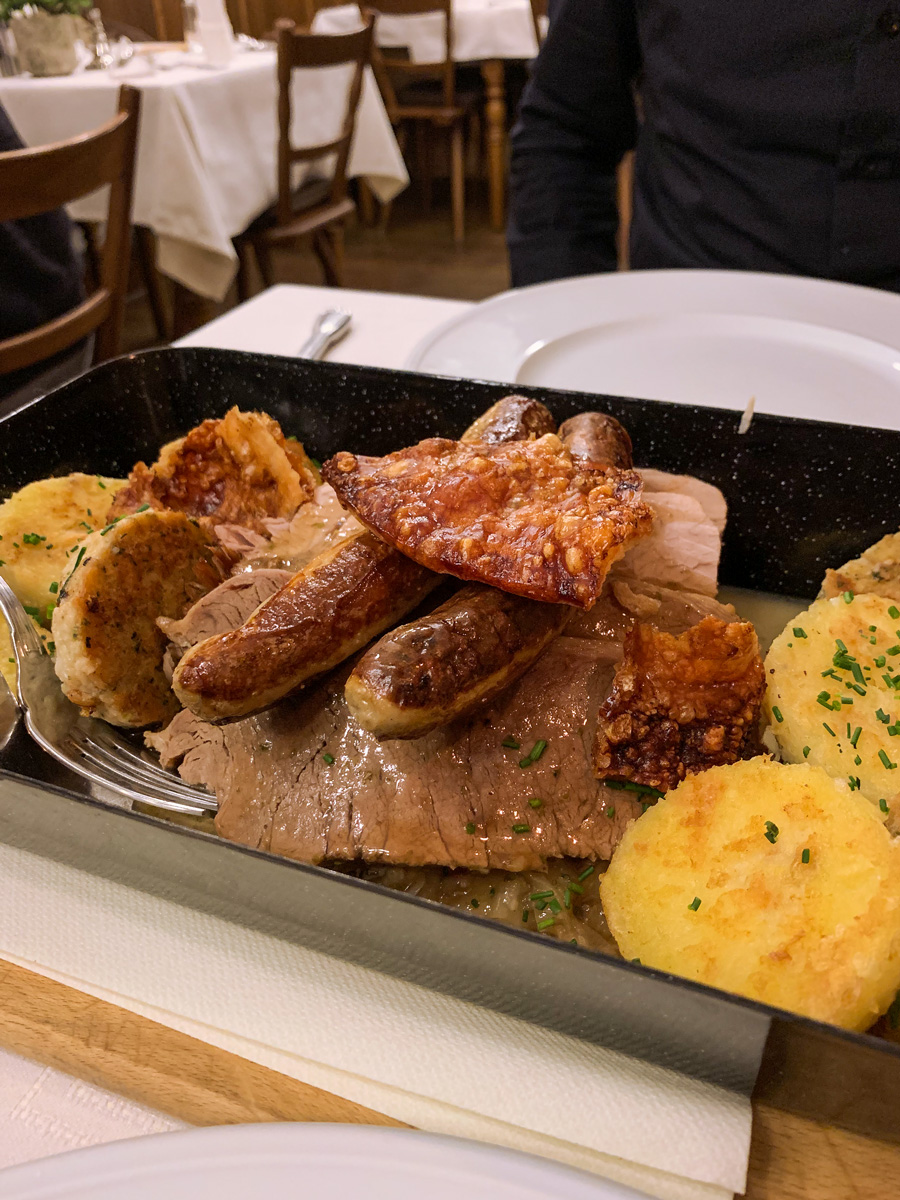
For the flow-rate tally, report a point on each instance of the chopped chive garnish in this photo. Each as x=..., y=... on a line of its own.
x=776, y=713
x=535, y=801
x=799, y=632
x=611, y=812
x=860, y=691
x=328, y=759
x=511, y=744
x=892, y=650
x=806, y=751
x=847, y=597
x=540, y=895
x=521, y=827
x=883, y=805
x=143, y=508
x=50, y=608
x=804, y=857
x=855, y=736
x=474, y=902
x=554, y=905
x=34, y=539
x=51, y=647
x=54, y=588
x=886, y=762
x=856, y=671
x=32, y=611
x=894, y=612
x=882, y=716
x=577, y=888
x=470, y=827
x=567, y=898
x=853, y=780
x=828, y=727
x=537, y=750
x=546, y=923
x=771, y=832
x=626, y=785
x=880, y=660
x=840, y=645
x=694, y=904
x=585, y=873
x=638, y=961
x=824, y=698
x=857, y=762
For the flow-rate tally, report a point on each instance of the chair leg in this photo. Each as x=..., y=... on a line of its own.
x=423, y=163
x=458, y=182
x=474, y=156
x=243, y=275
x=263, y=254
x=328, y=244
x=366, y=203
x=146, y=249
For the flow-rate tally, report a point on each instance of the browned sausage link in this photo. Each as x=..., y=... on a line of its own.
x=512, y=419
x=598, y=440
x=326, y=612
x=431, y=671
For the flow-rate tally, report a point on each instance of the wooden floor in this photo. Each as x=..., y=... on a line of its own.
x=415, y=254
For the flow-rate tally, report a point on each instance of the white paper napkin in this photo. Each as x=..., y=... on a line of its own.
x=435, y=1062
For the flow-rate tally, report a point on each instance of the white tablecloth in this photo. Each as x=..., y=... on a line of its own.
x=482, y=29
x=206, y=152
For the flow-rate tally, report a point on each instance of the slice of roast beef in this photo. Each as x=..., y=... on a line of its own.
x=305, y=781
x=224, y=608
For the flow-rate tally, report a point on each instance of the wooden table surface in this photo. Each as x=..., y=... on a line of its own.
x=790, y=1158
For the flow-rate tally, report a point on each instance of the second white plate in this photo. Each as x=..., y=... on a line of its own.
x=799, y=347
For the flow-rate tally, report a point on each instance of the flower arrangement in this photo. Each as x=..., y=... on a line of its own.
x=54, y=7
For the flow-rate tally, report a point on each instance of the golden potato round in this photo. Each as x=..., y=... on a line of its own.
x=833, y=695
x=39, y=526
x=711, y=883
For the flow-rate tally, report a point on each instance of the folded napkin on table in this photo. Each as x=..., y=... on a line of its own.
x=435, y=1062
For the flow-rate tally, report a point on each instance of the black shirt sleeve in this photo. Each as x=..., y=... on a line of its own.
x=576, y=121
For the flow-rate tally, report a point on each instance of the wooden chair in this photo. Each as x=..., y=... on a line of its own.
x=135, y=19
x=319, y=209
x=36, y=181
x=539, y=17
x=435, y=100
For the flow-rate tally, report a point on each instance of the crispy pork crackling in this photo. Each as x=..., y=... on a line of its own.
x=524, y=516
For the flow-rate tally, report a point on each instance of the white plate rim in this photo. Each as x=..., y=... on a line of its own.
x=849, y=308
x=102, y=1164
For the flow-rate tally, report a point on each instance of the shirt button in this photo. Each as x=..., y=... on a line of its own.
x=889, y=23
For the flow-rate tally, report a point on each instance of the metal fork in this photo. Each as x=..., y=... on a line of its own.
x=92, y=749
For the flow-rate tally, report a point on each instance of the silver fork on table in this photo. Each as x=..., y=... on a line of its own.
x=92, y=749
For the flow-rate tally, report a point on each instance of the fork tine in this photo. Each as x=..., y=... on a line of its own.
x=160, y=780
x=105, y=772
x=106, y=739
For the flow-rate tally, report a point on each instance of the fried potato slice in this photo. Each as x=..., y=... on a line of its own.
x=833, y=696
x=109, y=649
x=681, y=704
x=240, y=470
x=877, y=570
x=711, y=884
x=41, y=527
x=524, y=516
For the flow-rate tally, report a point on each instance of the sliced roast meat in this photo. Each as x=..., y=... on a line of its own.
x=224, y=608
x=304, y=780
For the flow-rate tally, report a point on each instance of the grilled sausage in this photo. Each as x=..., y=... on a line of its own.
x=597, y=440
x=431, y=671
x=340, y=601
x=437, y=669
x=512, y=419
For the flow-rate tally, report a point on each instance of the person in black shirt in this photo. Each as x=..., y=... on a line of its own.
x=769, y=139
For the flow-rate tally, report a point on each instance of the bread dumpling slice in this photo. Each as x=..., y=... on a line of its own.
x=109, y=648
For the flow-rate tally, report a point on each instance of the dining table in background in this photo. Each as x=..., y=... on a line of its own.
x=206, y=161
x=485, y=32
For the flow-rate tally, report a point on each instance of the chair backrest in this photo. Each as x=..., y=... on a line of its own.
x=386, y=64
x=539, y=17
x=299, y=49
x=36, y=181
x=132, y=18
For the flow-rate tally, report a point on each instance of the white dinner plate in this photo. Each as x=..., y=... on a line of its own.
x=301, y=1162
x=799, y=347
